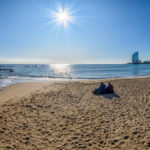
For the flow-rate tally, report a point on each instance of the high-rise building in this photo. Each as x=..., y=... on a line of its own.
x=135, y=58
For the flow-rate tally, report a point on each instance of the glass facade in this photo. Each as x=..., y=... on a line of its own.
x=135, y=58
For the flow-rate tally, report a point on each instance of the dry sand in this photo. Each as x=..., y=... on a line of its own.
x=68, y=116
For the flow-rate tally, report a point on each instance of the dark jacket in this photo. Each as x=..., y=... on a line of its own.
x=102, y=88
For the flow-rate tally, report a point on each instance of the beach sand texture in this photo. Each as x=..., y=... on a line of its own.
x=68, y=116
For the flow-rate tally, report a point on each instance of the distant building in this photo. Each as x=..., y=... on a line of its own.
x=135, y=58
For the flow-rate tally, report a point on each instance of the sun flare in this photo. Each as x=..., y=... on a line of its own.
x=62, y=16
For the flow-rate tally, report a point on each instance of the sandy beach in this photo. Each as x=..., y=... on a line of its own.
x=67, y=116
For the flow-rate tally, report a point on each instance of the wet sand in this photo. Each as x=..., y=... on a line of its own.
x=68, y=116
x=20, y=90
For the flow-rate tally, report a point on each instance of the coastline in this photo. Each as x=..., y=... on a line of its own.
x=21, y=89
x=66, y=115
x=55, y=80
x=46, y=72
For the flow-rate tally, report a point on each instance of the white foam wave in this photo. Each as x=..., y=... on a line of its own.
x=7, y=81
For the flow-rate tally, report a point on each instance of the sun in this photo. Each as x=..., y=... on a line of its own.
x=62, y=16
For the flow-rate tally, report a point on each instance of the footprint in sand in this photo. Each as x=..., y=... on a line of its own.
x=135, y=132
x=121, y=142
x=126, y=137
x=148, y=144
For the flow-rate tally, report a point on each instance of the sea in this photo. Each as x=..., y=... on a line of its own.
x=67, y=72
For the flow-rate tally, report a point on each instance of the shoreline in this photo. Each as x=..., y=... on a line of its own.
x=21, y=89
x=57, y=80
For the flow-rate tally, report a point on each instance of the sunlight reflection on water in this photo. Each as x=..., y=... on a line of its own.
x=62, y=70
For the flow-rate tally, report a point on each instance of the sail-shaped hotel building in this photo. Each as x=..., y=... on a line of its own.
x=135, y=58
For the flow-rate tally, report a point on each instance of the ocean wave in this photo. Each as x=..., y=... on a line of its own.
x=9, y=80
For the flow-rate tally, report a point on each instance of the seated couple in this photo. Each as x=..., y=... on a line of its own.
x=103, y=89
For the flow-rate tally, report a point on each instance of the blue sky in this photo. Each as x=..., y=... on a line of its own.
x=103, y=31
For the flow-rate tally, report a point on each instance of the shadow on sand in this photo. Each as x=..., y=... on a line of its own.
x=110, y=95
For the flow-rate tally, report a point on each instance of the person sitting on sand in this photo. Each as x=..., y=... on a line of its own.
x=110, y=88
x=101, y=89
